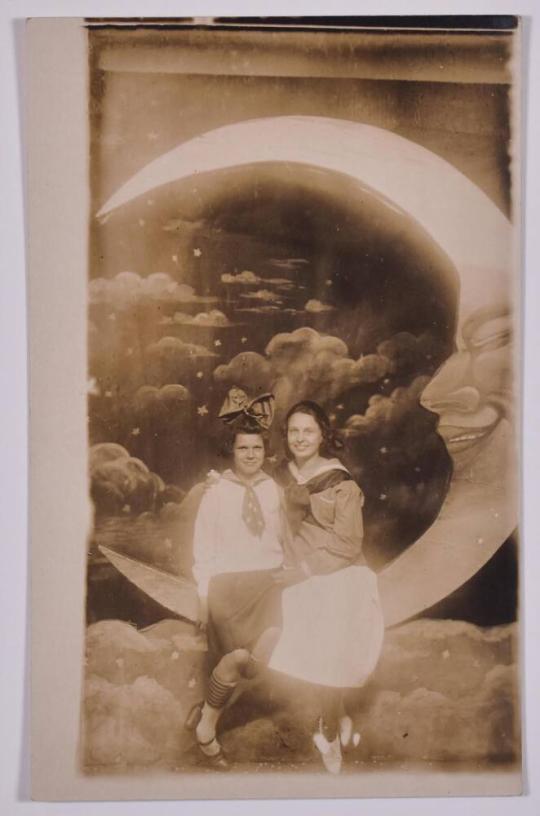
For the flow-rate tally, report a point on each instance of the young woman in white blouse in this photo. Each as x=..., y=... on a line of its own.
x=237, y=549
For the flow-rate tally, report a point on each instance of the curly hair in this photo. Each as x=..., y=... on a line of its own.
x=230, y=432
x=332, y=444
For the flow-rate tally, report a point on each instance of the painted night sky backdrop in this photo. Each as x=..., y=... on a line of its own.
x=270, y=277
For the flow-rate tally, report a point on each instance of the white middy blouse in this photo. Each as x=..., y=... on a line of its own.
x=222, y=542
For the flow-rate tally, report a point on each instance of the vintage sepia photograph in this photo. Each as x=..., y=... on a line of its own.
x=303, y=407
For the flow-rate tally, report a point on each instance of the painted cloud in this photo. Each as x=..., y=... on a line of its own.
x=129, y=288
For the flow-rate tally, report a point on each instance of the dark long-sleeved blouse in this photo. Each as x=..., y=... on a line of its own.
x=324, y=519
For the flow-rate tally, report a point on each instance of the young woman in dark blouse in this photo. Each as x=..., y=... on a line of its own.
x=333, y=626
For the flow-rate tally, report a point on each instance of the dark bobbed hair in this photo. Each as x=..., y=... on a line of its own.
x=332, y=443
x=240, y=426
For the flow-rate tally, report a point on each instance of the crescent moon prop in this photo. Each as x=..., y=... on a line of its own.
x=173, y=593
x=468, y=227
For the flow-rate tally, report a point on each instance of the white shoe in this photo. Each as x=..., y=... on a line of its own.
x=329, y=751
x=345, y=730
x=346, y=734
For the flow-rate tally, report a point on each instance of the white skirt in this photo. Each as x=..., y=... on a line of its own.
x=333, y=629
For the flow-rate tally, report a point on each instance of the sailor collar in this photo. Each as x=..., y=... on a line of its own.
x=230, y=476
x=329, y=464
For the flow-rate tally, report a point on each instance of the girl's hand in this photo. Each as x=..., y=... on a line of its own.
x=212, y=478
x=287, y=576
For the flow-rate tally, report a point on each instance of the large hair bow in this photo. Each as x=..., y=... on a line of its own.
x=237, y=404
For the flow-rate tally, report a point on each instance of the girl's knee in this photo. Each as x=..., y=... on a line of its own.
x=241, y=657
x=265, y=645
x=229, y=668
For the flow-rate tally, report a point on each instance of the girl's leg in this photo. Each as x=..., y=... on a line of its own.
x=331, y=712
x=334, y=709
x=262, y=651
x=347, y=734
x=223, y=682
x=230, y=670
x=327, y=737
x=225, y=677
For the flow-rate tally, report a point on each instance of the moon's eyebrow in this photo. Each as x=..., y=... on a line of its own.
x=495, y=329
x=502, y=334
x=482, y=316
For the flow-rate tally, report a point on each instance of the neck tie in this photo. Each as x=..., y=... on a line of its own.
x=252, y=513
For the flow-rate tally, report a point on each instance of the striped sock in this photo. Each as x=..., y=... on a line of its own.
x=218, y=692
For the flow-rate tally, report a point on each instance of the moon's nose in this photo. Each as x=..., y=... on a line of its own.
x=464, y=400
x=453, y=387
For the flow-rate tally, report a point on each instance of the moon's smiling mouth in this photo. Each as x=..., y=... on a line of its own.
x=463, y=430
x=460, y=438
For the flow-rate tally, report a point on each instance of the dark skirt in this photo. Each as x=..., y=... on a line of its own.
x=241, y=606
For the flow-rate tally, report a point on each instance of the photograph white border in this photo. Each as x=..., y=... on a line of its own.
x=14, y=600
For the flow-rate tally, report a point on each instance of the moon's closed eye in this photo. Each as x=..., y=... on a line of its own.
x=495, y=334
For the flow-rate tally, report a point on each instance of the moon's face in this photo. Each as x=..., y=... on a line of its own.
x=472, y=392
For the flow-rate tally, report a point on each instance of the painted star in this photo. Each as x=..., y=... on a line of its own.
x=197, y=252
x=112, y=316
x=217, y=342
x=152, y=136
x=383, y=449
x=202, y=410
x=383, y=497
x=108, y=394
x=200, y=375
x=142, y=222
x=243, y=340
x=328, y=282
x=129, y=352
x=175, y=258
x=340, y=407
x=136, y=432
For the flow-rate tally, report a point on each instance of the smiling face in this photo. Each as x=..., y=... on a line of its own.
x=473, y=395
x=304, y=437
x=248, y=455
x=472, y=392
